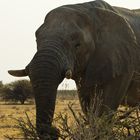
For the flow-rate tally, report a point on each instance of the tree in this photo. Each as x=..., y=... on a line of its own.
x=1, y=84
x=6, y=93
x=20, y=90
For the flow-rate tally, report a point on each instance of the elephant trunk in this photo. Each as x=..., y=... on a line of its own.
x=45, y=106
x=47, y=70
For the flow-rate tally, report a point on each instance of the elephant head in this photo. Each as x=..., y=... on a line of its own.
x=74, y=42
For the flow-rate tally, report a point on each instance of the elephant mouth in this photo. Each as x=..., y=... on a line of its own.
x=68, y=74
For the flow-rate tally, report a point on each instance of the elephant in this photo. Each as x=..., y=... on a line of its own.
x=132, y=97
x=95, y=44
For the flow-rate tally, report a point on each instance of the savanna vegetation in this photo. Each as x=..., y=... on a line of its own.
x=18, y=91
x=21, y=92
x=18, y=121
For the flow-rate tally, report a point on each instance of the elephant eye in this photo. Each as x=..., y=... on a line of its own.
x=77, y=45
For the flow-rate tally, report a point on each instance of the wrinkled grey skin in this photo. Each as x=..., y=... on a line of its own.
x=132, y=97
x=93, y=43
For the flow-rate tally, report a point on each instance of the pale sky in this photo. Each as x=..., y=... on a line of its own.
x=19, y=20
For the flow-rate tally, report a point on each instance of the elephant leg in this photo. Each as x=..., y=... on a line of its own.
x=85, y=98
x=132, y=97
x=102, y=99
x=114, y=91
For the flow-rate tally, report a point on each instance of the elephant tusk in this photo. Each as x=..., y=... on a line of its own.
x=18, y=73
x=68, y=74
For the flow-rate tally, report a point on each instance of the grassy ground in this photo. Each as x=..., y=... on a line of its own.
x=8, y=114
x=9, y=126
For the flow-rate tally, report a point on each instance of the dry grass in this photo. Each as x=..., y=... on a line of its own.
x=125, y=125
x=71, y=123
x=9, y=114
x=8, y=125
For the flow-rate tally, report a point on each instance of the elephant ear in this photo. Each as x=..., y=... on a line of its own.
x=115, y=48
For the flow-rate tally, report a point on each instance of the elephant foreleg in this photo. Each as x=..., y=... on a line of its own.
x=114, y=91
x=88, y=96
x=103, y=98
x=85, y=98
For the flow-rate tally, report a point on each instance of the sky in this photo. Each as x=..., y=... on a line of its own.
x=19, y=19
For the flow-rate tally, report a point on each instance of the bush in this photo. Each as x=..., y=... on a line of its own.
x=125, y=125
x=6, y=93
x=1, y=84
x=17, y=91
x=22, y=90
